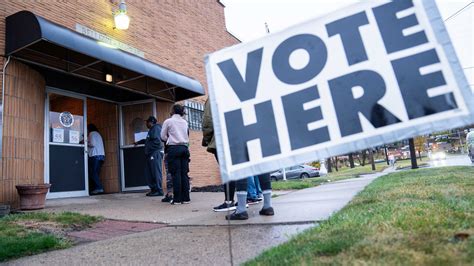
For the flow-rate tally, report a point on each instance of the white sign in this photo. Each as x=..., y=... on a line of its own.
x=74, y=136
x=58, y=135
x=373, y=73
x=139, y=136
x=108, y=40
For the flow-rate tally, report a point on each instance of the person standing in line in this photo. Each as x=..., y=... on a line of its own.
x=96, y=159
x=209, y=142
x=241, y=211
x=154, y=157
x=175, y=133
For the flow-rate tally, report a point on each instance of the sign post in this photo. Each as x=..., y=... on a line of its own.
x=373, y=73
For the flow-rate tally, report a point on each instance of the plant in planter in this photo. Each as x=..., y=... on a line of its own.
x=32, y=197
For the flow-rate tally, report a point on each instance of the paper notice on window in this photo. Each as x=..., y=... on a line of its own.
x=74, y=137
x=58, y=135
x=139, y=136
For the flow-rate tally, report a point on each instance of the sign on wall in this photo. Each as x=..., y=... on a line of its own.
x=372, y=73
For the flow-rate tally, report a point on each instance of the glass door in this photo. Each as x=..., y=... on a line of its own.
x=66, y=169
x=133, y=129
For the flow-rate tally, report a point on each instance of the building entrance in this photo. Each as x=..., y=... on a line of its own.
x=66, y=153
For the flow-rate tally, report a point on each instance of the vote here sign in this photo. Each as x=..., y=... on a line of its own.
x=372, y=73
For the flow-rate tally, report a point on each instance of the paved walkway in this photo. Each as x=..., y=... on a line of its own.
x=196, y=235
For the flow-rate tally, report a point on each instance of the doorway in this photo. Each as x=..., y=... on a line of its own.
x=133, y=129
x=66, y=163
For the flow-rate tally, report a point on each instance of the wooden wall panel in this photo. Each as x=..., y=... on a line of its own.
x=23, y=131
x=105, y=116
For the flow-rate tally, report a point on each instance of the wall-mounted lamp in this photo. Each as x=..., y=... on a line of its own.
x=121, y=18
x=108, y=78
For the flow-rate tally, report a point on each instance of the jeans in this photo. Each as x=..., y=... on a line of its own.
x=264, y=180
x=95, y=164
x=178, y=164
x=153, y=171
x=253, y=187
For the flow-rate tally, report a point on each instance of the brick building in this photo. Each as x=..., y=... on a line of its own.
x=64, y=65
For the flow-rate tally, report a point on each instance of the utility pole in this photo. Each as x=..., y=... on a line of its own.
x=386, y=154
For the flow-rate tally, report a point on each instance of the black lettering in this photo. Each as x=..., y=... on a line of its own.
x=264, y=129
x=245, y=89
x=348, y=29
x=414, y=86
x=391, y=28
x=348, y=108
x=297, y=119
x=317, y=58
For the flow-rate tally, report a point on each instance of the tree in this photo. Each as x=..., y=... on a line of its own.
x=351, y=160
x=420, y=145
x=372, y=160
x=414, y=164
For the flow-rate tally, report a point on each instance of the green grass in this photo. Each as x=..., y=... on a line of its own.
x=17, y=240
x=404, y=218
x=406, y=164
x=343, y=173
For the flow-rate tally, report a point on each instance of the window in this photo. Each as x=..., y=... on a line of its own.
x=194, y=111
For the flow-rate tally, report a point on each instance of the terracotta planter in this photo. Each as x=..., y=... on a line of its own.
x=32, y=197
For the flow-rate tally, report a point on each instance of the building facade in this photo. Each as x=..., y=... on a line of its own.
x=64, y=65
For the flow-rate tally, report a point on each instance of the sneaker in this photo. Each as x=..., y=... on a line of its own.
x=267, y=212
x=237, y=204
x=225, y=207
x=154, y=194
x=172, y=202
x=97, y=191
x=237, y=216
x=167, y=198
x=186, y=202
x=253, y=201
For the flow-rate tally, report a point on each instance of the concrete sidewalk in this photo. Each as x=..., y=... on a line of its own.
x=295, y=207
x=196, y=235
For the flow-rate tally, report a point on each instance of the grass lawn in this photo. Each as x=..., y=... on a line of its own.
x=32, y=233
x=343, y=173
x=415, y=217
x=401, y=164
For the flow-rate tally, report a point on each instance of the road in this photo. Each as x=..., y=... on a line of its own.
x=455, y=160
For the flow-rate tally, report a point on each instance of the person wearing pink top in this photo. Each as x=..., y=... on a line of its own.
x=175, y=133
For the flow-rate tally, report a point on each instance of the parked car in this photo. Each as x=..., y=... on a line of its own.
x=295, y=172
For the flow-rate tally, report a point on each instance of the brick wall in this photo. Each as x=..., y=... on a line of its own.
x=204, y=170
x=23, y=131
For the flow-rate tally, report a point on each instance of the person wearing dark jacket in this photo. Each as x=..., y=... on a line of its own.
x=154, y=157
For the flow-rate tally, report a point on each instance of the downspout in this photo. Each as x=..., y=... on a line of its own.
x=2, y=104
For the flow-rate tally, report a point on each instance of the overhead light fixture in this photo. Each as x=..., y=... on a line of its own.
x=120, y=17
x=108, y=78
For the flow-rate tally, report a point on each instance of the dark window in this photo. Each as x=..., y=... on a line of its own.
x=194, y=111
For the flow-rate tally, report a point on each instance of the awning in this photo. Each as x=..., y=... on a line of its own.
x=35, y=40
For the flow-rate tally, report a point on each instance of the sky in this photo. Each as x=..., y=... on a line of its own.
x=246, y=20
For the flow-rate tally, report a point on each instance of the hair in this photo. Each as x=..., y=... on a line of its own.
x=92, y=127
x=178, y=109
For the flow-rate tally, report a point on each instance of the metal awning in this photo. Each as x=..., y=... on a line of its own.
x=35, y=40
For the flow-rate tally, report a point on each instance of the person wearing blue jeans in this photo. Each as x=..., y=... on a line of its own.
x=96, y=159
x=253, y=190
x=241, y=211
